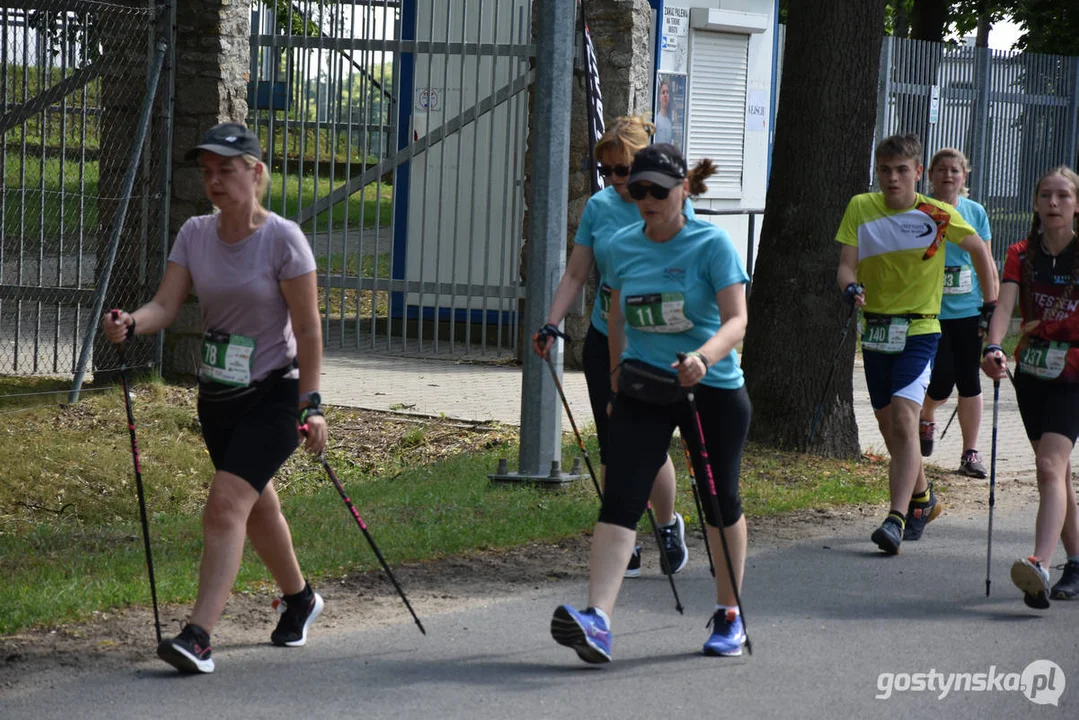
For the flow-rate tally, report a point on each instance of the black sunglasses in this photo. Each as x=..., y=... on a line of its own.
x=637, y=191
x=619, y=170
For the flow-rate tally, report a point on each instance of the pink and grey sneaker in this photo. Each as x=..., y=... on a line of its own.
x=971, y=464
x=1033, y=579
x=925, y=436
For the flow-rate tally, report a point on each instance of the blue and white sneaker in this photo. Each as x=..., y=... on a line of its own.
x=728, y=634
x=583, y=630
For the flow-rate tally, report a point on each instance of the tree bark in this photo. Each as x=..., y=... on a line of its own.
x=821, y=157
x=928, y=19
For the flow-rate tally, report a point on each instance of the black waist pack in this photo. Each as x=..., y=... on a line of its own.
x=649, y=384
x=221, y=405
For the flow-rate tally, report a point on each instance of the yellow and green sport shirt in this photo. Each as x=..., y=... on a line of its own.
x=898, y=259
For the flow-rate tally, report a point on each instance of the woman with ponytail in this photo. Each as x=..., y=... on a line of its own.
x=1040, y=273
x=677, y=311
x=608, y=212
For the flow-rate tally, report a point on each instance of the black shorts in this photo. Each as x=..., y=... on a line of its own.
x=959, y=360
x=252, y=437
x=1047, y=406
x=597, y=375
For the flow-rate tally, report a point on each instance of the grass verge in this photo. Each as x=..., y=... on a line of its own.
x=70, y=540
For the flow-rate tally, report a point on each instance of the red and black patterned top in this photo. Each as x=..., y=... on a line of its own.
x=1050, y=350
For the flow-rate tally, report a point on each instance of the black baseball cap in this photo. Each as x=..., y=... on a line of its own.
x=660, y=163
x=228, y=139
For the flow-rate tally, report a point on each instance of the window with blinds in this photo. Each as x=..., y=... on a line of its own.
x=717, y=107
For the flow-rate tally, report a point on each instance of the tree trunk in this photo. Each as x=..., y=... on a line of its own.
x=901, y=22
x=928, y=19
x=821, y=157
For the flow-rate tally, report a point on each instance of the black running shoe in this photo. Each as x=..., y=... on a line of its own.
x=296, y=617
x=1067, y=587
x=1033, y=579
x=633, y=568
x=189, y=651
x=888, y=536
x=674, y=544
x=920, y=514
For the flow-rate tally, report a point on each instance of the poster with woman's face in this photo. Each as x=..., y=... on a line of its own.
x=670, y=115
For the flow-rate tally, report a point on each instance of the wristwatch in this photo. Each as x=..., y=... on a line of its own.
x=313, y=399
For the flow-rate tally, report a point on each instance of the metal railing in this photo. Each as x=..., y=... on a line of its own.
x=395, y=132
x=1014, y=115
x=73, y=77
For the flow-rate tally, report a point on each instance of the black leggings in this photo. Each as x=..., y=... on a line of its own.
x=597, y=375
x=959, y=360
x=640, y=436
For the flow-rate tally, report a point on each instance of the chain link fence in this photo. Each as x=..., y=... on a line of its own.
x=74, y=80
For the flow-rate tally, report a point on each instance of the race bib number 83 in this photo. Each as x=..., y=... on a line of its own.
x=658, y=313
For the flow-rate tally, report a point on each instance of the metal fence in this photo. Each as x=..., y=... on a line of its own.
x=395, y=132
x=73, y=78
x=1014, y=115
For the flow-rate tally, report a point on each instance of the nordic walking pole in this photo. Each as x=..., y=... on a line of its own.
x=956, y=410
x=576, y=433
x=700, y=511
x=588, y=462
x=138, y=479
x=707, y=463
x=992, y=482
x=366, y=534
x=831, y=373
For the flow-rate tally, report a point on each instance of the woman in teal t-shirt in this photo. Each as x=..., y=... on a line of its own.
x=962, y=322
x=608, y=212
x=677, y=287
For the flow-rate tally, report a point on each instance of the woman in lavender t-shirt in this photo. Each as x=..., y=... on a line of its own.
x=254, y=275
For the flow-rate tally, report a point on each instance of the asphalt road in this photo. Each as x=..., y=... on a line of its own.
x=834, y=625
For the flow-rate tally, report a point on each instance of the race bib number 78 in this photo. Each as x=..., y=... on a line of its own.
x=227, y=359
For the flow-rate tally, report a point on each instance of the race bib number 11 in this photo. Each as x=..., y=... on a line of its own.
x=658, y=313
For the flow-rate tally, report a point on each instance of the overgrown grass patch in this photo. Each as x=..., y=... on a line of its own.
x=71, y=544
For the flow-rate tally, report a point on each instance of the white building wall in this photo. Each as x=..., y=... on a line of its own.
x=754, y=21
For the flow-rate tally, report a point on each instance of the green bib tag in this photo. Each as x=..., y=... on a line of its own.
x=958, y=280
x=1043, y=358
x=885, y=335
x=604, y=300
x=227, y=359
x=658, y=313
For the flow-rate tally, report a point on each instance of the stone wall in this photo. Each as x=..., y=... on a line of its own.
x=620, y=34
x=212, y=70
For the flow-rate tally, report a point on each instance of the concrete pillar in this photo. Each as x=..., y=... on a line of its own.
x=621, y=35
x=213, y=60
